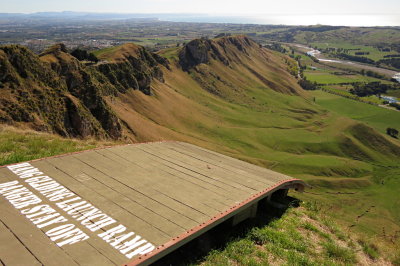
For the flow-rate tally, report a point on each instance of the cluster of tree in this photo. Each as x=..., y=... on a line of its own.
x=361, y=53
x=276, y=47
x=341, y=50
x=388, y=47
x=296, y=57
x=308, y=85
x=81, y=55
x=373, y=74
x=392, y=132
x=319, y=28
x=345, y=95
x=313, y=58
x=341, y=73
x=360, y=59
x=391, y=55
x=395, y=105
x=395, y=46
x=293, y=67
x=394, y=62
x=372, y=88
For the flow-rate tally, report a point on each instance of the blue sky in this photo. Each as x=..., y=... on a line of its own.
x=233, y=7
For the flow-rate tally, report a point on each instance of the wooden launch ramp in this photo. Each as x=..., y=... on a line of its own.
x=129, y=204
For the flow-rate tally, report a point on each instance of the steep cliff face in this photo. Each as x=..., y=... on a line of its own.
x=195, y=53
x=131, y=67
x=35, y=95
x=58, y=93
x=55, y=92
x=86, y=86
x=225, y=49
x=203, y=58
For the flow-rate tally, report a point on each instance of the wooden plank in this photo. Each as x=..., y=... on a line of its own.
x=91, y=250
x=12, y=250
x=55, y=166
x=91, y=188
x=201, y=167
x=126, y=177
x=44, y=250
x=148, y=180
x=158, y=190
x=210, y=156
x=226, y=183
x=227, y=163
x=212, y=197
x=179, y=172
x=251, y=168
x=6, y=175
x=98, y=181
x=182, y=187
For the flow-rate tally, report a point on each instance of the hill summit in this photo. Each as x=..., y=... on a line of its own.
x=56, y=92
x=225, y=49
x=227, y=89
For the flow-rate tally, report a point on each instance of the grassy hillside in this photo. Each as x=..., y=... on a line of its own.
x=283, y=131
x=18, y=145
x=240, y=99
x=353, y=35
x=302, y=236
x=376, y=117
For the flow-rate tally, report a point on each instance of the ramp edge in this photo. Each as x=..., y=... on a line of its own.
x=189, y=235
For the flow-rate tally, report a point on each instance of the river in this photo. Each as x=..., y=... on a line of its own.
x=317, y=54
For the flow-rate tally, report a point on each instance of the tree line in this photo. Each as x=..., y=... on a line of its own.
x=372, y=88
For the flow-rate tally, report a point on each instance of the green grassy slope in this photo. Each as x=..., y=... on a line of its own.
x=291, y=134
x=254, y=110
x=302, y=236
x=18, y=145
x=231, y=110
x=354, y=36
x=377, y=117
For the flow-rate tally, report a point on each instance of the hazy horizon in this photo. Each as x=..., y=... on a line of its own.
x=290, y=12
x=267, y=19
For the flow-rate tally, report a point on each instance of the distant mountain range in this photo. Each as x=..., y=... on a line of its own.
x=266, y=19
x=95, y=16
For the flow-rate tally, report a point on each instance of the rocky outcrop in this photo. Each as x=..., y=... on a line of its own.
x=132, y=67
x=224, y=49
x=55, y=92
x=84, y=86
x=34, y=94
x=194, y=53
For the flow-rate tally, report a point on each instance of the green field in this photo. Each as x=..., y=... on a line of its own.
x=394, y=93
x=374, y=53
x=343, y=91
x=377, y=117
x=323, y=77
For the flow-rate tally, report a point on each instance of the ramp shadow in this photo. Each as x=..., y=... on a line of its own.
x=218, y=237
